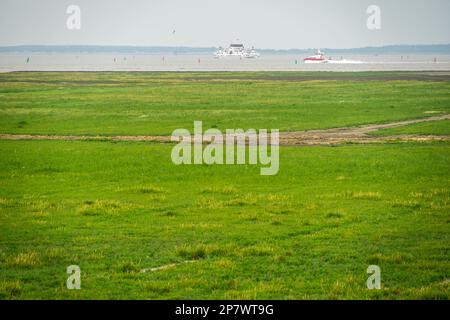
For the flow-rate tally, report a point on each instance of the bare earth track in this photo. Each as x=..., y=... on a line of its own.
x=358, y=134
x=334, y=136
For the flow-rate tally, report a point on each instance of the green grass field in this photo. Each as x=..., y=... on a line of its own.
x=118, y=209
x=158, y=103
x=427, y=128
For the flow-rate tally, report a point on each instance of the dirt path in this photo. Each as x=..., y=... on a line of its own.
x=86, y=138
x=314, y=137
x=358, y=134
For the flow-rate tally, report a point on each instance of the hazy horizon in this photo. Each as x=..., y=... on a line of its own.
x=443, y=46
x=265, y=24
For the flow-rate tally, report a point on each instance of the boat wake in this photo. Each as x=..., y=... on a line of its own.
x=344, y=61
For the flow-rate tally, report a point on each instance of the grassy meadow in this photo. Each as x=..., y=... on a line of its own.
x=141, y=227
x=90, y=103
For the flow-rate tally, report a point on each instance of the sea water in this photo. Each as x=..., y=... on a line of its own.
x=192, y=62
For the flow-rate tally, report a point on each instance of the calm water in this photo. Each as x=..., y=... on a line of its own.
x=111, y=62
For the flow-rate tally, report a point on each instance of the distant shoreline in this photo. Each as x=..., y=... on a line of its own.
x=79, y=49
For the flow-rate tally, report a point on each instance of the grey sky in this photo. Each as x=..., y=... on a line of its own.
x=262, y=23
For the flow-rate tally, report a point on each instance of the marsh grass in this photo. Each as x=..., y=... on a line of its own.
x=202, y=251
x=360, y=195
x=267, y=235
x=224, y=190
x=103, y=207
x=24, y=259
x=143, y=188
x=10, y=289
x=116, y=208
x=44, y=103
x=434, y=291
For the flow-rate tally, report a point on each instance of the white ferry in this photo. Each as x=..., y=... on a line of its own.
x=236, y=49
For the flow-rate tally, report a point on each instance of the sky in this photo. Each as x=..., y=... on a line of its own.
x=275, y=24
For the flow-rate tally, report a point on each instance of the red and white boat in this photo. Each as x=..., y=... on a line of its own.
x=319, y=57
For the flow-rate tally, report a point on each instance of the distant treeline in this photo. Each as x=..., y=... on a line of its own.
x=411, y=49
x=106, y=49
x=396, y=49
